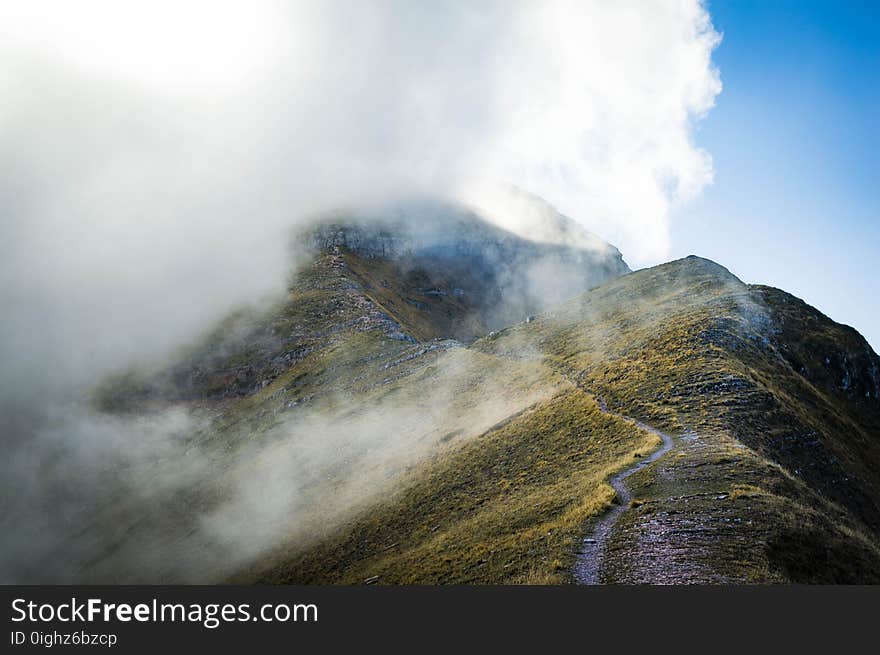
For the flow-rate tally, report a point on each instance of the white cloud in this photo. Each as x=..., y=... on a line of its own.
x=601, y=98
x=152, y=153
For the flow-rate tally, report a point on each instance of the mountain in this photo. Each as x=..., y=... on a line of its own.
x=420, y=408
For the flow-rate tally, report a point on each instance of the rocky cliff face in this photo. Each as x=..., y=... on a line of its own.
x=507, y=277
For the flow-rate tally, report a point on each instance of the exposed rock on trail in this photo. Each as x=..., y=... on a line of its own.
x=588, y=565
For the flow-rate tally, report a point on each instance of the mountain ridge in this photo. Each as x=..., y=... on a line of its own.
x=486, y=458
x=694, y=534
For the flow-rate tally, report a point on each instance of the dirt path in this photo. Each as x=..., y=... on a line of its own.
x=589, y=560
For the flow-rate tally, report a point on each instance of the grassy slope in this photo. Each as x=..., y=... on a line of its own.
x=507, y=506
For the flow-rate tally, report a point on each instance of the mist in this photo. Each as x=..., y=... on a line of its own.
x=154, y=159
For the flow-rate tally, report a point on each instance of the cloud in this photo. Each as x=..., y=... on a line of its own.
x=154, y=155
x=600, y=103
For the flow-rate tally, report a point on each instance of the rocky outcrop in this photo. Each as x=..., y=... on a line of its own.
x=520, y=275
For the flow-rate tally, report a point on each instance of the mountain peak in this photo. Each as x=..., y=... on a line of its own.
x=441, y=251
x=696, y=265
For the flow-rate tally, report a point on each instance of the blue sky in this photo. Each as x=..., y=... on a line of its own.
x=794, y=137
